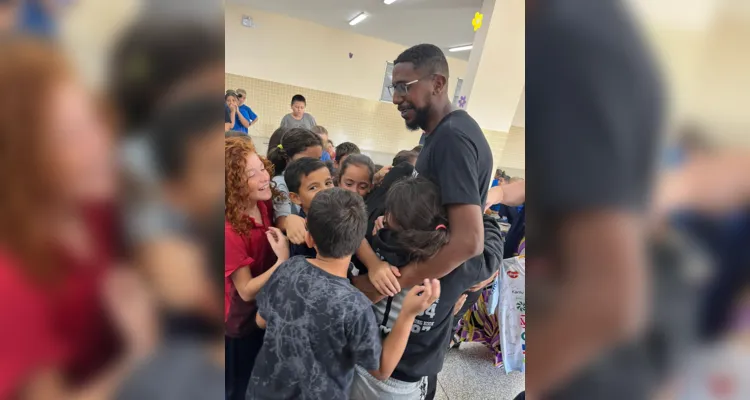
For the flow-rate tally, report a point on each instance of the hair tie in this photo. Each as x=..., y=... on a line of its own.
x=441, y=226
x=280, y=147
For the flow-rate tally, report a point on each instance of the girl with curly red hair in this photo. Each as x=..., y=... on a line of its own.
x=253, y=250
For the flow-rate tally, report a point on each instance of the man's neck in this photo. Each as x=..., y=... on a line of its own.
x=439, y=112
x=334, y=266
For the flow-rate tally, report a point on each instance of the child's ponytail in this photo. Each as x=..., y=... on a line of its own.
x=422, y=245
x=417, y=217
x=292, y=142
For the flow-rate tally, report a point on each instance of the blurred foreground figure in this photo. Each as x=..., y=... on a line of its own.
x=189, y=362
x=63, y=302
x=594, y=107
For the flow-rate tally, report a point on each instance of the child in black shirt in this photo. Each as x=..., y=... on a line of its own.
x=416, y=229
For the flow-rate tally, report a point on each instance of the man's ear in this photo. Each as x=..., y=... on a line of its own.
x=309, y=240
x=294, y=197
x=441, y=83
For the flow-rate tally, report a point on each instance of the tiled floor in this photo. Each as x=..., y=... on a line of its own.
x=468, y=374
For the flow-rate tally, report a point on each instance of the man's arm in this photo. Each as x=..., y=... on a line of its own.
x=253, y=118
x=466, y=241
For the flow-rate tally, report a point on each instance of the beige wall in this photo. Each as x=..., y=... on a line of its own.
x=374, y=126
x=305, y=54
x=343, y=94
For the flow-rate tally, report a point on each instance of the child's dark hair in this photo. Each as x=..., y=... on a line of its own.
x=298, y=98
x=357, y=159
x=275, y=139
x=331, y=168
x=230, y=93
x=405, y=156
x=418, y=149
x=176, y=127
x=345, y=149
x=337, y=222
x=293, y=142
x=418, y=218
x=299, y=169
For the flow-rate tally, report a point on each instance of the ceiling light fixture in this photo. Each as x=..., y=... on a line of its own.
x=460, y=48
x=359, y=18
x=389, y=1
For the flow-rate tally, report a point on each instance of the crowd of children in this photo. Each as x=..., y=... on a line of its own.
x=318, y=308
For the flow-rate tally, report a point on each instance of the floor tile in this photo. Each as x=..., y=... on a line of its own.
x=468, y=373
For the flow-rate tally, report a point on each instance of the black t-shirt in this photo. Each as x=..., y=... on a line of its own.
x=428, y=342
x=457, y=158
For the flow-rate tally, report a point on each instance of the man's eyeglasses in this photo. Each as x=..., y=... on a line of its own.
x=401, y=88
x=240, y=96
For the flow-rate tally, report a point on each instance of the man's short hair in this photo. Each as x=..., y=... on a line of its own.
x=425, y=56
x=405, y=156
x=298, y=98
x=176, y=127
x=337, y=222
x=345, y=149
x=299, y=169
x=241, y=91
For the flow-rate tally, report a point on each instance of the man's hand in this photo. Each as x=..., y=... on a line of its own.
x=384, y=278
x=481, y=285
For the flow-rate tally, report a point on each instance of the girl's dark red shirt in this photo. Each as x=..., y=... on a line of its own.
x=251, y=250
x=66, y=327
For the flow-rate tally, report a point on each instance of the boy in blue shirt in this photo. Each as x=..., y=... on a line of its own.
x=245, y=117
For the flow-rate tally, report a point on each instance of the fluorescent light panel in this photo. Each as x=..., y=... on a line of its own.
x=359, y=18
x=460, y=48
x=389, y=1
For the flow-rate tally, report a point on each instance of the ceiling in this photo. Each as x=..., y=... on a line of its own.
x=445, y=23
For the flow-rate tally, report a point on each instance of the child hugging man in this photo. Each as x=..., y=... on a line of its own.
x=319, y=326
x=305, y=178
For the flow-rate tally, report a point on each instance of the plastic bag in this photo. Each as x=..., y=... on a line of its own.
x=511, y=314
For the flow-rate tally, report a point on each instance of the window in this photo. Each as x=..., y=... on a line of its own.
x=385, y=95
x=457, y=93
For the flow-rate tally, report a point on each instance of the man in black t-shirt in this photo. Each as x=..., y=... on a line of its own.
x=457, y=158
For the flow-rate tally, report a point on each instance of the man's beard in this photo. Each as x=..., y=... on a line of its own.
x=421, y=116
